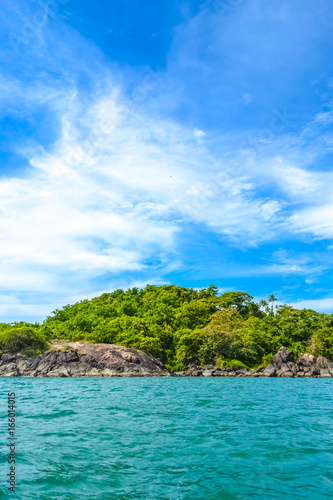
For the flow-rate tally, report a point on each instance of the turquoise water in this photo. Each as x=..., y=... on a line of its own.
x=171, y=438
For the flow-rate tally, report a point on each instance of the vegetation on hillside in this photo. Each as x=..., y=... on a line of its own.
x=22, y=337
x=181, y=326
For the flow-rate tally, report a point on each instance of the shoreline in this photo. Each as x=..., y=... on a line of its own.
x=81, y=359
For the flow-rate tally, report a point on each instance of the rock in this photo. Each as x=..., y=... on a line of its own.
x=324, y=362
x=315, y=370
x=58, y=372
x=196, y=373
x=81, y=359
x=9, y=368
x=307, y=359
x=287, y=374
x=269, y=371
x=282, y=357
x=284, y=368
x=84, y=359
x=293, y=367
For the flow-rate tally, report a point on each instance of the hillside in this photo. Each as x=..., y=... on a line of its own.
x=181, y=326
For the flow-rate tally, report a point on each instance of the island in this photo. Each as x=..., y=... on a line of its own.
x=170, y=330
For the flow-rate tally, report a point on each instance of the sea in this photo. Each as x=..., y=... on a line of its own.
x=168, y=438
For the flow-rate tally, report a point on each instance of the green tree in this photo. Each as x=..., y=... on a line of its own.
x=271, y=300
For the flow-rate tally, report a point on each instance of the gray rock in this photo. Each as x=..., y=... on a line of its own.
x=293, y=367
x=307, y=360
x=84, y=359
x=287, y=374
x=282, y=357
x=284, y=368
x=108, y=360
x=58, y=372
x=197, y=373
x=270, y=371
x=324, y=363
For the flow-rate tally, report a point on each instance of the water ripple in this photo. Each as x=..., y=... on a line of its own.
x=172, y=438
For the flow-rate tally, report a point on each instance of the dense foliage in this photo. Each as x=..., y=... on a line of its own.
x=182, y=325
x=22, y=337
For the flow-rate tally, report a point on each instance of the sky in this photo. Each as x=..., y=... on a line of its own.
x=165, y=142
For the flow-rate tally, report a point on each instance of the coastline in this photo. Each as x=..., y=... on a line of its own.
x=81, y=359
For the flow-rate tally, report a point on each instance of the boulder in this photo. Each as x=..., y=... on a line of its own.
x=284, y=368
x=287, y=374
x=84, y=359
x=293, y=367
x=282, y=356
x=324, y=362
x=270, y=371
x=307, y=360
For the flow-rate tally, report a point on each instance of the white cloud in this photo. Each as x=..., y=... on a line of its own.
x=320, y=305
x=111, y=194
x=199, y=134
x=295, y=181
x=314, y=220
x=119, y=184
x=247, y=97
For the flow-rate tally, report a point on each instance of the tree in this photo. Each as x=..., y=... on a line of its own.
x=188, y=345
x=242, y=301
x=175, y=322
x=321, y=343
x=271, y=300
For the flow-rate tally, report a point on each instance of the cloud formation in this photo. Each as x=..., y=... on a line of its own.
x=116, y=162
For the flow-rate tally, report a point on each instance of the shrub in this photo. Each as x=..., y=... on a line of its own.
x=24, y=340
x=230, y=363
x=176, y=367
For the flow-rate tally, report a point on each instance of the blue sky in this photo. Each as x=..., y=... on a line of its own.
x=165, y=142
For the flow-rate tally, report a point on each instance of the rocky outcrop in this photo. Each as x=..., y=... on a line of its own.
x=282, y=357
x=282, y=365
x=81, y=359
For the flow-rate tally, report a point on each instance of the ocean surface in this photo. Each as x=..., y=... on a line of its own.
x=170, y=438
